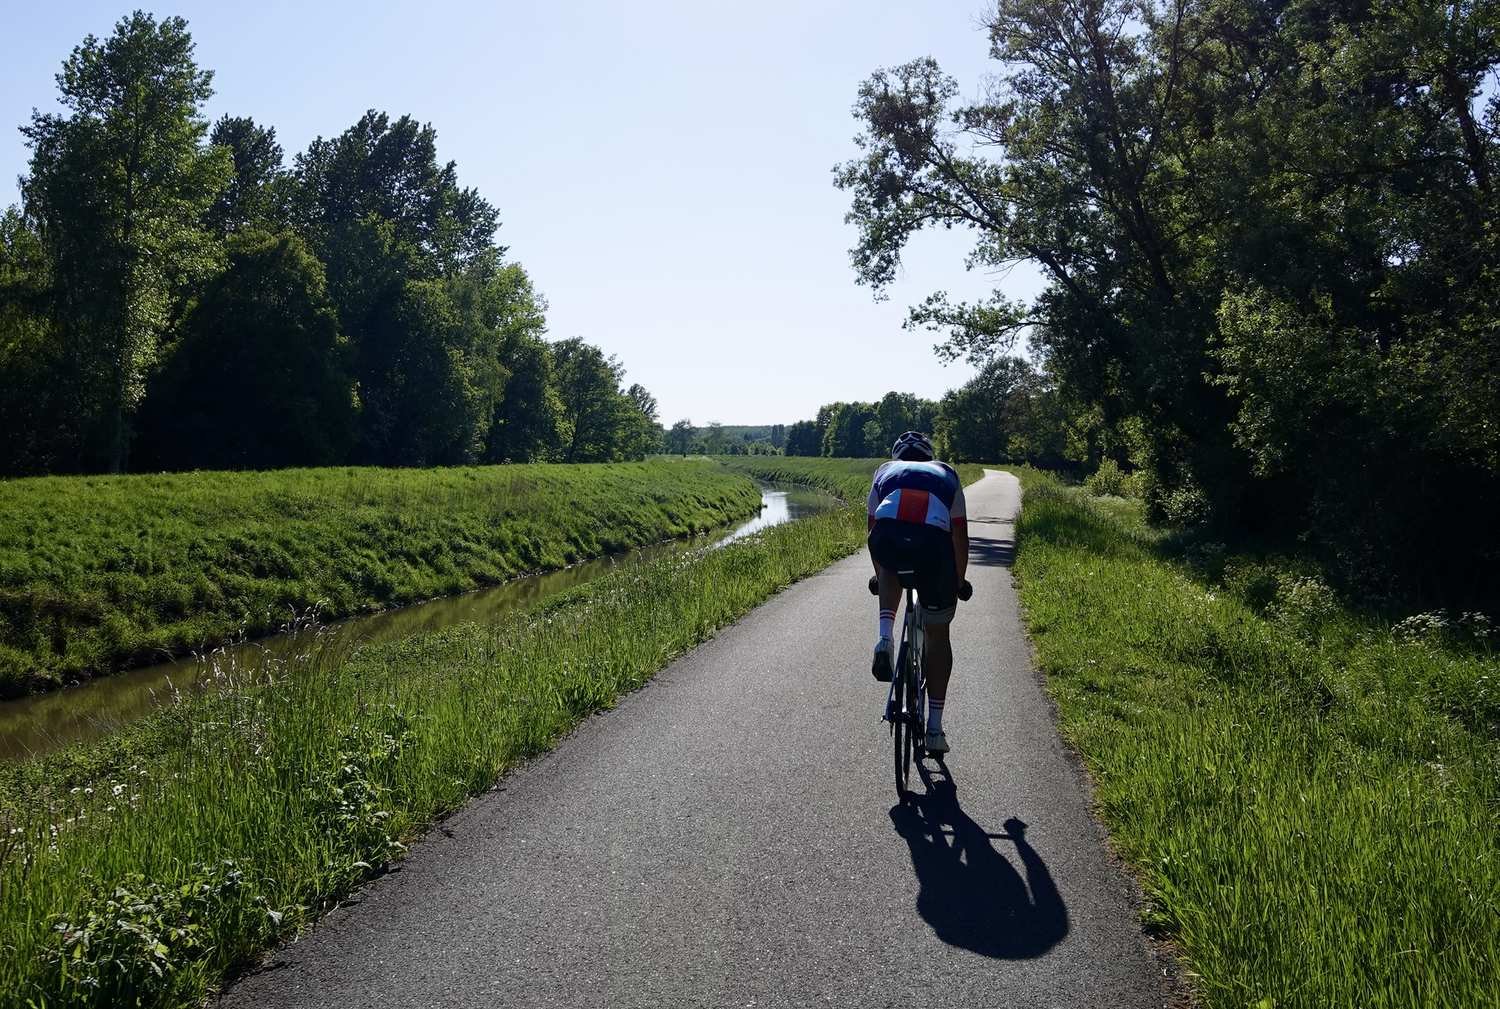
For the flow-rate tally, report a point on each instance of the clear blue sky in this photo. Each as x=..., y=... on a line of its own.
x=661, y=169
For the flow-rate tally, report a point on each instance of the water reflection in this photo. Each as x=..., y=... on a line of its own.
x=34, y=725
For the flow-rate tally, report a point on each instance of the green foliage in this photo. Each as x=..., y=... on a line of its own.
x=259, y=180
x=1269, y=253
x=1254, y=741
x=119, y=185
x=802, y=439
x=260, y=376
x=99, y=571
x=117, y=306
x=601, y=421
x=1108, y=480
x=1006, y=413
x=528, y=421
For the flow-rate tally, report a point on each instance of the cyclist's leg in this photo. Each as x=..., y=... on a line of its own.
x=883, y=551
x=939, y=603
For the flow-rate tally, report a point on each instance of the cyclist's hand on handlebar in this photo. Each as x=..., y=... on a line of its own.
x=965, y=591
x=874, y=585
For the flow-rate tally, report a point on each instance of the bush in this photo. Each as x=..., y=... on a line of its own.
x=1108, y=480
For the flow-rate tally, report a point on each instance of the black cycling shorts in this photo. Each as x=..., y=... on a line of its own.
x=928, y=552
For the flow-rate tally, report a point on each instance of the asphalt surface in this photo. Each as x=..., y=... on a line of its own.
x=729, y=836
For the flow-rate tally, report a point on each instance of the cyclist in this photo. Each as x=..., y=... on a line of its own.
x=917, y=523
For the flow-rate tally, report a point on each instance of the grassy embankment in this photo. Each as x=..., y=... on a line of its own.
x=96, y=572
x=1311, y=797
x=248, y=813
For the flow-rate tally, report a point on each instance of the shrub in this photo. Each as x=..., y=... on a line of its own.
x=1108, y=480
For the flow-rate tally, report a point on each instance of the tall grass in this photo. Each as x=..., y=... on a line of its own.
x=1310, y=796
x=96, y=572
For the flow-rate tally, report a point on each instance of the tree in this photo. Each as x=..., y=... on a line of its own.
x=778, y=436
x=844, y=429
x=527, y=425
x=250, y=198
x=1265, y=240
x=260, y=376
x=680, y=437
x=379, y=187
x=33, y=409
x=119, y=185
x=713, y=440
x=802, y=439
x=603, y=422
x=384, y=214
x=429, y=377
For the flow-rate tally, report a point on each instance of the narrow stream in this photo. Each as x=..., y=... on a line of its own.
x=34, y=725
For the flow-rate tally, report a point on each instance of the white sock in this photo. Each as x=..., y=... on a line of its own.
x=887, y=624
x=934, y=714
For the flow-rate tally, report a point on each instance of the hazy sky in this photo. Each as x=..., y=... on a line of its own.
x=661, y=169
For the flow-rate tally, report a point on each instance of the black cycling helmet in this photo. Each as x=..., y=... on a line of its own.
x=913, y=446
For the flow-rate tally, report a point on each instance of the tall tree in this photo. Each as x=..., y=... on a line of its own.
x=119, y=185
x=384, y=214
x=528, y=419
x=802, y=439
x=603, y=422
x=680, y=437
x=251, y=196
x=1266, y=236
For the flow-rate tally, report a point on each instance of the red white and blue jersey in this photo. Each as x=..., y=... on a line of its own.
x=924, y=493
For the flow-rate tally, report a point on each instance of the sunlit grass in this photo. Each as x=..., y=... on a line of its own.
x=1310, y=799
x=99, y=571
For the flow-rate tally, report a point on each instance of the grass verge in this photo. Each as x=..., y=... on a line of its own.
x=1311, y=798
x=98, y=572
x=240, y=816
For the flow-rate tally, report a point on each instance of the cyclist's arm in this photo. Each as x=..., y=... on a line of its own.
x=959, y=522
x=871, y=503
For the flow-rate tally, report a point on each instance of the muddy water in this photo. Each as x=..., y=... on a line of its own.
x=35, y=725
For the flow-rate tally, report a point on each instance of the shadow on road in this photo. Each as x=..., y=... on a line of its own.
x=971, y=894
x=991, y=541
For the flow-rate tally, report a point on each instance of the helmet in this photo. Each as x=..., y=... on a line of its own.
x=913, y=445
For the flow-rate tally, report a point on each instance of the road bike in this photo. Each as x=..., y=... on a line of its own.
x=906, y=703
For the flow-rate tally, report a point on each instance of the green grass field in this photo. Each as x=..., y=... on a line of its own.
x=96, y=572
x=1311, y=798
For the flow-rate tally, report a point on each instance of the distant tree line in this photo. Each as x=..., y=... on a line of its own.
x=1269, y=239
x=174, y=295
x=1008, y=413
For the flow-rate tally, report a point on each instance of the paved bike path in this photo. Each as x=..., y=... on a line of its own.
x=728, y=836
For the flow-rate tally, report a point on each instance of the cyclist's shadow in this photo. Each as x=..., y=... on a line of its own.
x=971, y=894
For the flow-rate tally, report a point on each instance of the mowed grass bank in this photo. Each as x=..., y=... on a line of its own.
x=1311, y=798
x=98, y=572
x=241, y=816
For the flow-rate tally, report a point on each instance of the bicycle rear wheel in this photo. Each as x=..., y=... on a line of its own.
x=901, y=726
